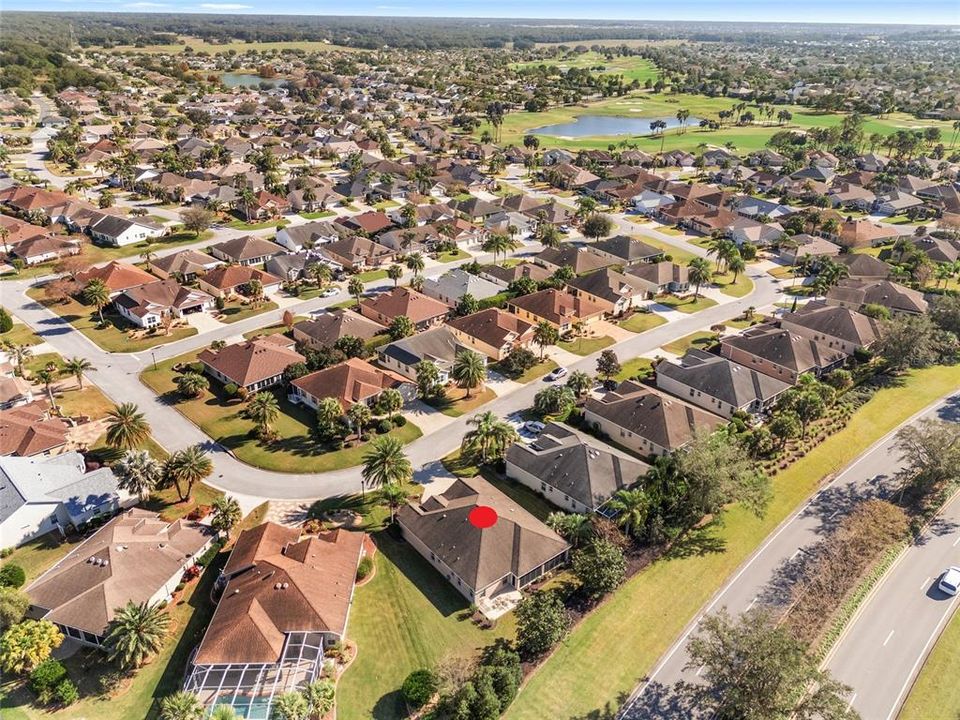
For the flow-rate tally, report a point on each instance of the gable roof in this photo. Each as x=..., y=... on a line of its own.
x=279, y=583
x=664, y=420
x=627, y=248
x=516, y=544
x=609, y=284
x=493, y=326
x=579, y=259
x=878, y=292
x=349, y=382
x=406, y=301
x=718, y=377
x=438, y=345
x=576, y=464
x=27, y=430
x=835, y=321
x=782, y=347
x=116, y=275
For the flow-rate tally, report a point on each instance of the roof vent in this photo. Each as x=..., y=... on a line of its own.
x=277, y=586
x=286, y=585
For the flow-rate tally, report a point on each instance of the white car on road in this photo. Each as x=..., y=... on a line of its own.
x=950, y=580
x=556, y=374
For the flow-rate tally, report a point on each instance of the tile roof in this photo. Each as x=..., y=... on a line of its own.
x=250, y=362
x=116, y=275
x=405, y=301
x=28, y=430
x=349, y=382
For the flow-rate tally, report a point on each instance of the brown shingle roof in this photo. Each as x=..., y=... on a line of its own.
x=136, y=554
x=517, y=543
x=557, y=307
x=326, y=328
x=278, y=585
x=252, y=361
x=405, y=301
x=493, y=326
x=349, y=382
x=26, y=430
x=117, y=276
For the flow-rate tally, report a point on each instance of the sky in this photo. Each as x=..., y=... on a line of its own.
x=936, y=12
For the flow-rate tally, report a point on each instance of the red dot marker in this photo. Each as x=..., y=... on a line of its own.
x=483, y=516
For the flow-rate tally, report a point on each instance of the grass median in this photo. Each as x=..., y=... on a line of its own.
x=641, y=620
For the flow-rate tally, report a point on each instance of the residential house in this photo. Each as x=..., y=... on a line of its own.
x=492, y=332
x=27, y=430
x=325, y=328
x=299, y=237
x=184, y=266
x=146, y=305
x=832, y=325
x=481, y=561
x=863, y=233
x=614, y=291
x=286, y=599
x=44, y=248
x=135, y=558
x=580, y=260
x=662, y=277
x=117, y=276
x=625, y=250
x=43, y=494
x=350, y=382
x=780, y=353
x=803, y=245
x=423, y=311
x=123, y=231
x=454, y=284
x=646, y=421
x=246, y=250
x=228, y=280
x=254, y=365
x=717, y=384
x=358, y=253
x=856, y=293
x=862, y=266
x=573, y=470
x=439, y=345
x=557, y=307
x=503, y=276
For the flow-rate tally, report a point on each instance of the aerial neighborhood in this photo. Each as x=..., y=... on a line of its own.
x=349, y=376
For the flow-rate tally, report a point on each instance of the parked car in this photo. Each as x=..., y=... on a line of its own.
x=534, y=426
x=329, y=292
x=556, y=374
x=950, y=580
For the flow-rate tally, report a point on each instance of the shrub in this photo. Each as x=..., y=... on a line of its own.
x=46, y=677
x=230, y=390
x=210, y=554
x=419, y=687
x=399, y=421
x=12, y=575
x=109, y=681
x=6, y=552
x=384, y=426
x=67, y=693
x=197, y=367
x=365, y=567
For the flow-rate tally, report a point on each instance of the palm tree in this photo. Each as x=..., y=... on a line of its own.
x=395, y=272
x=359, y=415
x=390, y=401
x=699, y=272
x=77, y=366
x=393, y=495
x=97, y=294
x=321, y=274
x=631, y=508
x=224, y=712
x=181, y=705
x=736, y=265
x=138, y=473
x=545, y=334
x=579, y=382
x=136, y=632
x=320, y=696
x=20, y=354
x=490, y=435
x=329, y=413
x=264, y=410
x=415, y=263
x=355, y=288
x=468, y=370
x=191, y=384
x=186, y=468
x=576, y=528
x=47, y=376
x=385, y=462
x=127, y=428
x=226, y=514
x=499, y=243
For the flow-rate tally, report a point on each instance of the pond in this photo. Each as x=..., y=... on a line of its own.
x=232, y=80
x=591, y=125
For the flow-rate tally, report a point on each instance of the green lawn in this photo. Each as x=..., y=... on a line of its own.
x=645, y=616
x=41, y=553
x=632, y=67
x=243, y=225
x=20, y=334
x=743, y=285
x=114, y=336
x=295, y=450
x=687, y=304
x=317, y=215
x=235, y=311
x=678, y=255
x=272, y=329
x=935, y=694
x=631, y=368
x=537, y=371
x=96, y=254
x=371, y=275
x=641, y=322
x=456, y=402
x=586, y=346
x=447, y=257
x=698, y=339
x=407, y=617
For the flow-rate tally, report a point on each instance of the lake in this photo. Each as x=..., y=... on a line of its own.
x=245, y=79
x=591, y=125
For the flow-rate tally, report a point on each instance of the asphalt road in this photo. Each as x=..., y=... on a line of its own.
x=885, y=646
x=765, y=579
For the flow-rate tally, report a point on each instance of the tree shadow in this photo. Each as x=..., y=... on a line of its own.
x=658, y=702
x=389, y=707
x=697, y=542
x=950, y=411
x=778, y=592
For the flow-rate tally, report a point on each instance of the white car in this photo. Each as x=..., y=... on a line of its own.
x=557, y=374
x=534, y=426
x=950, y=580
x=329, y=292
